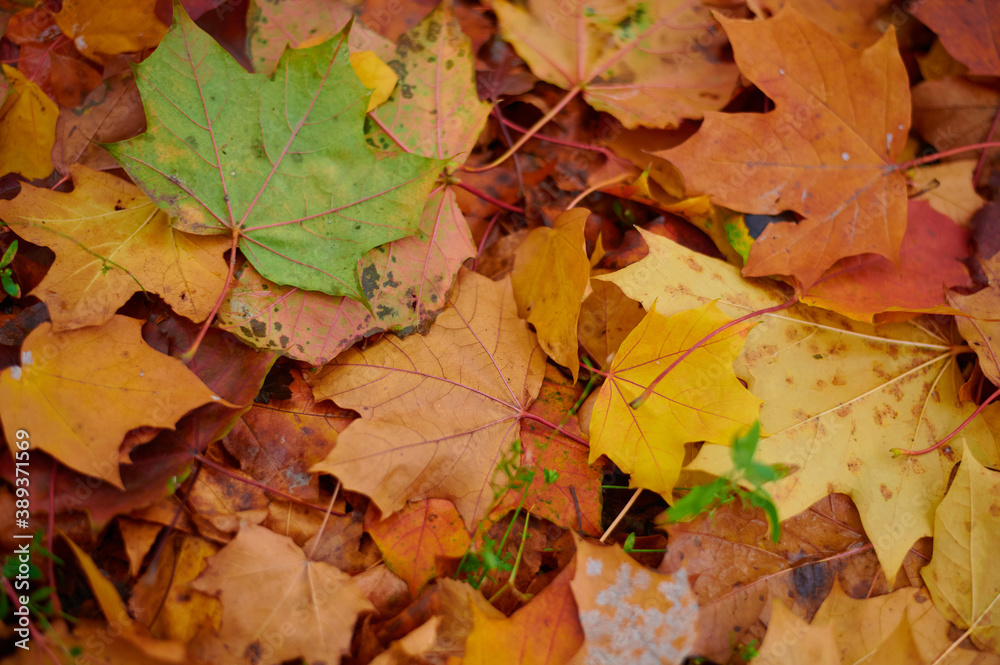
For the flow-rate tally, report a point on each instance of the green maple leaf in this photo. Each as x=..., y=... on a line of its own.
x=280, y=161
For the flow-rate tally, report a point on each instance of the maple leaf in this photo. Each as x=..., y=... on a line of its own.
x=856, y=392
x=930, y=262
x=699, y=400
x=635, y=60
x=277, y=162
x=546, y=631
x=436, y=411
x=111, y=242
x=114, y=610
x=628, y=612
x=969, y=30
x=77, y=393
x=961, y=576
x=551, y=273
x=96, y=32
x=414, y=538
x=404, y=282
x=163, y=598
x=27, y=128
x=826, y=151
x=311, y=608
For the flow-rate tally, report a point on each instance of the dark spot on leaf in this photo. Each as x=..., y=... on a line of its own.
x=276, y=325
x=253, y=652
x=433, y=31
x=283, y=340
x=812, y=581
x=259, y=329
x=369, y=281
x=384, y=312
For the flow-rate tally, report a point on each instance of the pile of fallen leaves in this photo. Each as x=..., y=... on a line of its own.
x=385, y=332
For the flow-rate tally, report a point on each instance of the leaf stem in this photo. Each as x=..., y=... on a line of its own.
x=189, y=354
x=940, y=659
x=489, y=199
x=947, y=153
x=569, y=144
x=556, y=428
x=544, y=120
x=638, y=401
x=482, y=241
x=896, y=452
x=593, y=188
x=982, y=156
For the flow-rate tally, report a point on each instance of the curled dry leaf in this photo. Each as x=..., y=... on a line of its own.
x=550, y=276
x=27, y=128
x=96, y=32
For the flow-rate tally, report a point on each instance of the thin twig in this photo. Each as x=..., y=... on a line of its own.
x=954, y=645
x=622, y=514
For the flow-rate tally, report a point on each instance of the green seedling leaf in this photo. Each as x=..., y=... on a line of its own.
x=8, y=256
x=279, y=162
x=745, y=446
x=761, y=499
x=697, y=500
x=12, y=289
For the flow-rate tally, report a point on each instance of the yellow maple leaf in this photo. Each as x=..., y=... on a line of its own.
x=111, y=241
x=27, y=128
x=550, y=277
x=700, y=399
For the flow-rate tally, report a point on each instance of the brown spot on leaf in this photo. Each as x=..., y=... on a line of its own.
x=886, y=492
